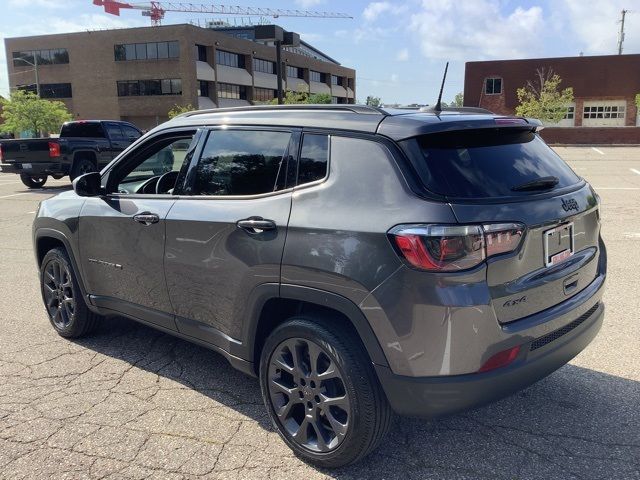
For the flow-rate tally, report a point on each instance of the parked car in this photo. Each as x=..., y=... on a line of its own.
x=358, y=261
x=83, y=146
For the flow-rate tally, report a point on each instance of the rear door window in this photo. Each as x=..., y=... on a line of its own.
x=242, y=162
x=314, y=157
x=486, y=164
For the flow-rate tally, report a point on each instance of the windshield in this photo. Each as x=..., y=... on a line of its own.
x=489, y=163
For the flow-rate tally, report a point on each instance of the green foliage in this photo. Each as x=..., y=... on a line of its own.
x=638, y=100
x=458, y=100
x=319, y=98
x=180, y=109
x=373, y=101
x=543, y=99
x=24, y=111
x=301, y=96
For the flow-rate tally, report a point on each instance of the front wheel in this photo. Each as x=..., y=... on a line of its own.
x=82, y=166
x=63, y=300
x=321, y=392
x=33, y=181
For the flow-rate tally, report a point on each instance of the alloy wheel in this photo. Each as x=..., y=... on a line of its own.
x=308, y=395
x=58, y=293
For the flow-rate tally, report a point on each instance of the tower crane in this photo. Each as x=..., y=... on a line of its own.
x=156, y=10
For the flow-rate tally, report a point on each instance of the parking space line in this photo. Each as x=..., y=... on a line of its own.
x=597, y=150
x=617, y=188
x=635, y=171
x=15, y=194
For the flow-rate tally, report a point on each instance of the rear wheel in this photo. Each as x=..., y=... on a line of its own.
x=63, y=300
x=321, y=392
x=82, y=166
x=33, y=181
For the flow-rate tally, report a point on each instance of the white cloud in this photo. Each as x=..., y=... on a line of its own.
x=402, y=55
x=35, y=3
x=395, y=77
x=375, y=9
x=595, y=29
x=476, y=30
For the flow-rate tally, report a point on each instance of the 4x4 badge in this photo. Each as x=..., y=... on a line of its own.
x=569, y=204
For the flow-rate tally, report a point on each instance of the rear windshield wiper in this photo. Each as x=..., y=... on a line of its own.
x=543, y=183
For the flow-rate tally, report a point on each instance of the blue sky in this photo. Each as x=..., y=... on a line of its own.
x=397, y=47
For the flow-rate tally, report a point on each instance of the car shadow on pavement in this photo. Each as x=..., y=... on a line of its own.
x=577, y=423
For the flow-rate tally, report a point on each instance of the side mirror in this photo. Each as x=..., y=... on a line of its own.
x=87, y=185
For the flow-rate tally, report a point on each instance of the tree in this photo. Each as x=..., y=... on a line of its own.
x=373, y=101
x=458, y=100
x=316, y=98
x=301, y=96
x=25, y=111
x=543, y=99
x=180, y=109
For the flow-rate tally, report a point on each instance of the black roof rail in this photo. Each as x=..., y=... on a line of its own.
x=361, y=109
x=460, y=110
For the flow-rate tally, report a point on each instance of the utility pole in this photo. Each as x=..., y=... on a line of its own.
x=35, y=68
x=621, y=34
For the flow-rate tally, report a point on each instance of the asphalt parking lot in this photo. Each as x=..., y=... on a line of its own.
x=130, y=402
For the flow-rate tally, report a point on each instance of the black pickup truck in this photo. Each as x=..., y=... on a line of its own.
x=82, y=147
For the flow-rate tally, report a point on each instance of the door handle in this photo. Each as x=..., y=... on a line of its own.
x=255, y=225
x=146, y=218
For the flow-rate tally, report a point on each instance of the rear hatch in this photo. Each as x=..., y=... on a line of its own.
x=508, y=175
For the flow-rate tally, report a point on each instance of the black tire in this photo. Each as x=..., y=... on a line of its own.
x=33, y=181
x=359, y=406
x=63, y=300
x=82, y=166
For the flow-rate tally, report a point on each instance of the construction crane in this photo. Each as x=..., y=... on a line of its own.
x=156, y=10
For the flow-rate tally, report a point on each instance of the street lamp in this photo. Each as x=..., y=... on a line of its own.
x=280, y=37
x=35, y=66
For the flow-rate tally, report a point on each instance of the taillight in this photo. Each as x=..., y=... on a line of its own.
x=449, y=248
x=54, y=149
x=500, y=359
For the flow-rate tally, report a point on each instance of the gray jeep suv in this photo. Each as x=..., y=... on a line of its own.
x=359, y=261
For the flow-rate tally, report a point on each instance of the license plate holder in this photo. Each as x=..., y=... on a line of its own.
x=26, y=166
x=559, y=244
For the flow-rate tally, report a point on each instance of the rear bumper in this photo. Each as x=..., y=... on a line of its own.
x=437, y=396
x=40, y=168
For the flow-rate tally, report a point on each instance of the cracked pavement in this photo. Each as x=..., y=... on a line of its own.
x=131, y=402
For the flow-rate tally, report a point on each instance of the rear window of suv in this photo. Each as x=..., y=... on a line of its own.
x=486, y=163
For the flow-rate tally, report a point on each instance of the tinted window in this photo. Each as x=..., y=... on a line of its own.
x=114, y=132
x=482, y=164
x=82, y=129
x=130, y=132
x=241, y=162
x=313, y=158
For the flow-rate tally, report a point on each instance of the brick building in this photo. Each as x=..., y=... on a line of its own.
x=604, y=89
x=139, y=74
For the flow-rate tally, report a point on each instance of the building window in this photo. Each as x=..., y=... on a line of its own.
x=334, y=99
x=146, y=51
x=229, y=59
x=134, y=88
x=264, y=66
x=336, y=80
x=570, y=113
x=227, y=90
x=294, y=72
x=55, y=90
x=203, y=88
x=201, y=53
x=43, y=57
x=493, y=86
x=317, y=76
x=263, y=94
x=604, y=111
